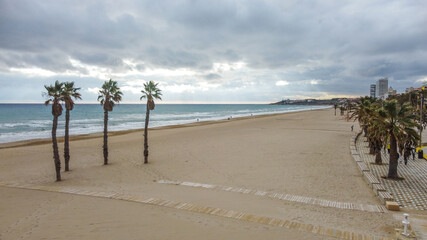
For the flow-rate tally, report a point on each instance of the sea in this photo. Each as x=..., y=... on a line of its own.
x=34, y=121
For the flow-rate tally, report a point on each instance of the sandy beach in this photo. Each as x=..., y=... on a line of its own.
x=300, y=154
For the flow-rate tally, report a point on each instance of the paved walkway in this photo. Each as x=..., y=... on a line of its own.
x=409, y=193
x=330, y=232
x=283, y=196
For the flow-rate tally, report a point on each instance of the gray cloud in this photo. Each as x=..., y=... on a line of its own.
x=212, y=76
x=346, y=44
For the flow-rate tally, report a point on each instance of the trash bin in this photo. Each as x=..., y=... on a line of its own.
x=420, y=154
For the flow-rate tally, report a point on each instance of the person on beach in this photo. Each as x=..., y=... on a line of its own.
x=352, y=127
x=388, y=148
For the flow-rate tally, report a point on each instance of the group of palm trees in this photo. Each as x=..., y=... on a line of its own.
x=389, y=124
x=58, y=93
x=65, y=93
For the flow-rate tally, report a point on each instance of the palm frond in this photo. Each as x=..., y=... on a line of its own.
x=110, y=94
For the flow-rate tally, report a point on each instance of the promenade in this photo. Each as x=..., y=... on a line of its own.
x=410, y=193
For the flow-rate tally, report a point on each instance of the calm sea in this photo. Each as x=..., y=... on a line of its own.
x=34, y=121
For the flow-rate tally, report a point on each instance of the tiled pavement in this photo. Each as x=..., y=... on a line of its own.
x=410, y=192
x=285, y=197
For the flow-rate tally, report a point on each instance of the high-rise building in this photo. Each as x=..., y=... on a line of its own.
x=382, y=88
x=373, y=88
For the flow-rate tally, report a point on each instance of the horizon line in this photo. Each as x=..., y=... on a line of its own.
x=159, y=103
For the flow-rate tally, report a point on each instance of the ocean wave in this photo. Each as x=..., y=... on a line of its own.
x=88, y=121
x=31, y=124
x=19, y=136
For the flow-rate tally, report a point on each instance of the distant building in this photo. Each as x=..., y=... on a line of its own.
x=373, y=88
x=391, y=92
x=382, y=88
x=410, y=89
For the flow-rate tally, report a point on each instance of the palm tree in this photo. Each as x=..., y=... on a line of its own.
x=335, y=107
x=150, y=92
x=54, y=95
x=362, y=112
x=400, y=125
x=342, y=109
x=108, y=97
x=375, y=133
x=69, y=92
x=349, y=106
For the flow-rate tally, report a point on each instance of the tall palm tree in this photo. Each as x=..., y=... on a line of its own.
x=400, y=125
x=362, y=112
x=375, y=133
x=69, y=92
x=342, y=109
x=413, y=99
x=349, y=106
x=54, y=94
x=150, y=92
x=109, y=95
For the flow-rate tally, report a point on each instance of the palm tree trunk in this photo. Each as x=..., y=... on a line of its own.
x=66, y=140
x=371, y=146
x=392, y=169
x=105, y=147
x=147, y=118
x=378, y=159
x=56, y=159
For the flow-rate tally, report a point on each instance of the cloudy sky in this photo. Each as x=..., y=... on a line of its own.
x=212, y=51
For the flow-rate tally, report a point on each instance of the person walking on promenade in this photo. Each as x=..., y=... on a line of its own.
x=413, y=153
x=406, y=154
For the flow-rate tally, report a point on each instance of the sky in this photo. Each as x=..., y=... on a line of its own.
x=212, y=51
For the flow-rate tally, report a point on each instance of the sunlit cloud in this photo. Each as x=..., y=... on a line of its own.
x=34, y=72
x=224, y=67
x=168, y=72
x=179, y=88
x=93, y=90
x=282, y=83
x=314, y=82
x=422, y=80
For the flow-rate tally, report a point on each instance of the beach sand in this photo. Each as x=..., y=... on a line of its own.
x=302, y=154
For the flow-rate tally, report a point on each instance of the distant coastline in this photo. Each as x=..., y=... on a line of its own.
x=310, y=101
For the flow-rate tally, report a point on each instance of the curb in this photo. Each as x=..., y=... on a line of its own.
x=379, y=190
